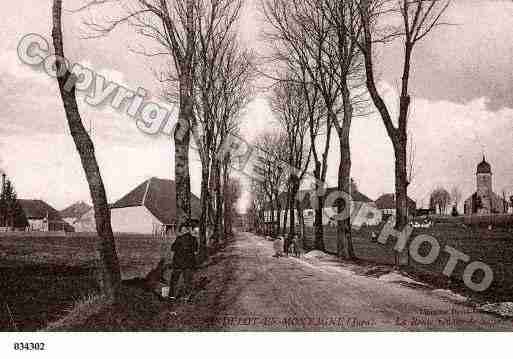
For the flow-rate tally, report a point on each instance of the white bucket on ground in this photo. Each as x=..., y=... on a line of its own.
x=165, y=292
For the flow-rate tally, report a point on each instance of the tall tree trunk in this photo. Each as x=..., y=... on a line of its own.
x=203, y=245
x=292, y=222
x=285, y=218
x=318, y=225
x=227, y=202
x=320, y=172
x=111, y=275
x=400, y=144
x=278, y=214
x=344, y=240
x=401, y=186
x=218, y=210
x=261, y=222
x=185, y=119
x=294, y=188
x=272, y=219
x=398, y=135
x=182, y=140
x=301, y=218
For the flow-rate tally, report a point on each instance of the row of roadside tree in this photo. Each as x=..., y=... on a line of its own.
x=323, y=64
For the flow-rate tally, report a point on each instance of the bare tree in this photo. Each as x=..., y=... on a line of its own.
x=313, y=37
x=456, y=195
x=172, y=25
x=418, y=18
x=255, y=213
x=319, y=141
x=11, y=214
x=440, y=200
x=236, y=90
x=296, y=52
x=232, y=194
x=317, y=120
x=411, y=153
x=110, y=264
x=289, y=105
x=345, y=60
x=505, y=204
x=196, y=38
x=269, y=167
x=216, y=55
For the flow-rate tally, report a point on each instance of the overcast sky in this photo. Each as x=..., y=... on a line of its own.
x=462, y=86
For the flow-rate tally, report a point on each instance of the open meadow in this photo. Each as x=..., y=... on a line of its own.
x=493, y=247
x=41, y=276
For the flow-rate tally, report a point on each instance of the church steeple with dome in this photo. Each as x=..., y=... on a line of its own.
x=484, y=184
x=484, y=167
x=484, y=201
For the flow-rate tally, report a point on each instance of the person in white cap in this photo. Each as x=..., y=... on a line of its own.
x=278, y=247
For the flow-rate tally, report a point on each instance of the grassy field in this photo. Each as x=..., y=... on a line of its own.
x=494, y=248
x=42, y=276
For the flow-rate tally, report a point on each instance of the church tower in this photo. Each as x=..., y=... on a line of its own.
x=484, y=186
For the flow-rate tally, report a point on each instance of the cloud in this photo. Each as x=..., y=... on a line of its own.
x=31, y=104
x=38, y=150
x=49, y=167
x=468, y=60
x=450, y=139
x=462, y=84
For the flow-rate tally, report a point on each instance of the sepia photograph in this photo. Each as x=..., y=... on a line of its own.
x=255, y=166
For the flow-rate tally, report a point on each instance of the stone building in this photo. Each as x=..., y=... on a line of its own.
x=484, y=201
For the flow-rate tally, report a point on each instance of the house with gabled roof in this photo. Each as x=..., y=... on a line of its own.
x=361, y=204
x=386, y=203
x=73, y=213
x=150, y=208
x=42, y=217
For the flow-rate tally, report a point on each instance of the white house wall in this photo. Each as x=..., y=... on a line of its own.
x=38, y=225
x=86, y=223
x=69, y=220
x=133, y=220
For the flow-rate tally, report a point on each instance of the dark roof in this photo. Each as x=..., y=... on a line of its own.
x=484, y=167
x=76, y=210
x=387, y=201
x=305, y=195
x=38, y=209
x=159, y=197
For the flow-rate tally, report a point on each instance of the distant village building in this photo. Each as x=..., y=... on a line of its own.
x=423, y=212
x=484, y=201
x=361, y=204
x=150, y=208
x=86, y=222
x=74, y=213
x=386, y=203
x=42, y=217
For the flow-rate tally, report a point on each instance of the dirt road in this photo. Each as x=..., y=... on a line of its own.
x=251, y=290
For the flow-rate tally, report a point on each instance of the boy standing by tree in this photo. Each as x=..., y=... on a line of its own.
x=185, y=249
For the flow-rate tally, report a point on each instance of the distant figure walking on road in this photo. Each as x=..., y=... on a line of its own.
x=278, y=247
x=294, y=246
x=185, y=249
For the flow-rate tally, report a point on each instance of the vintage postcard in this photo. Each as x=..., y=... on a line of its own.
x=256, y=166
